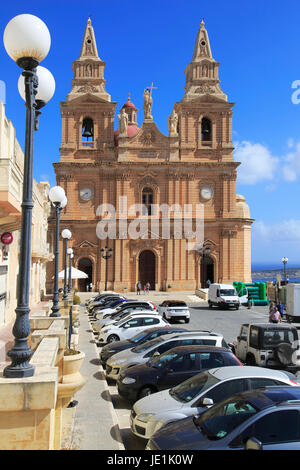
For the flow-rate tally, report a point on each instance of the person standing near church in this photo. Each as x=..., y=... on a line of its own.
x=138, y=288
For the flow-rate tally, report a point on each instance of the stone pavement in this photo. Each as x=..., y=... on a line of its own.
x=95, y=425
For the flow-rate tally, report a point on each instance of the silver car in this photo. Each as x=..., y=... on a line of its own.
x=98, y=325
x=194, y=395
x=141, y=354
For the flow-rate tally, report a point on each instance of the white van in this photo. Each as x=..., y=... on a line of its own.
x=223, y=295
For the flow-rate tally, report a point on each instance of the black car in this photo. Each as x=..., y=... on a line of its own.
x=170, y=369
x=103, y=301
x=141, y=338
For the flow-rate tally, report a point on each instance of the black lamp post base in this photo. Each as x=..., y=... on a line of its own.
x=12, y=372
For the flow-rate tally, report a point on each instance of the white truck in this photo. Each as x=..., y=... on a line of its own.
x=223, y=296
x=293, y=303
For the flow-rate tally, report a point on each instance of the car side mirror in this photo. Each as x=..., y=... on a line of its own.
x=206, y=402
x=239, y=338
x=126, y=326
x=253, y=444
x=218, y=293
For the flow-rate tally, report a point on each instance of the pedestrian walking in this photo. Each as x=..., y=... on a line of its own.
x=144, y=288
x=138, y=288
x=249, y=300
x=275, y=316
x=148, y=287
x=208, y=283
x=280, y=308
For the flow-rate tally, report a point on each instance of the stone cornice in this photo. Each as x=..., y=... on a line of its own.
x=164, y=163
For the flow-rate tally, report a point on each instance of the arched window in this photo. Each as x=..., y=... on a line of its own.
x=206, y=134
x=87, y=129
x=147, y=201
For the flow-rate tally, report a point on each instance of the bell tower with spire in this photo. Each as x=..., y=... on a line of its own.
x=88, y=69
x=88, y=113
x=202, y=74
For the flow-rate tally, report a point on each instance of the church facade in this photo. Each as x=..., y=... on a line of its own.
x=164, y=207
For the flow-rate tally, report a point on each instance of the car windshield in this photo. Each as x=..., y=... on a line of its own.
x=139, y=337
x=228, y=292
x=149, y=344
x=222, y=418
x=161, y=361
x=176, y=304
x=122, y=322
x=191, y=388
x=273, y=337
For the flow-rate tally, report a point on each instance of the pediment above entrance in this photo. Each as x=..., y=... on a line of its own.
x=149, y=136
x=85, y=244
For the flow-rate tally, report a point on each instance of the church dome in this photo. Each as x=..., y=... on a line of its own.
x=242, y=209
x=129, y=104
x=132, y=128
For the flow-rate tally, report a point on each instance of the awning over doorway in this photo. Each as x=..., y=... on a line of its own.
x=75, y=274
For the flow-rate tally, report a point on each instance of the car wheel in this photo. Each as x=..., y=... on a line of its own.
x=250, y=360
x=187, y=320
x=113, y=338
x=146, y=391
x=209, y=305
x=237, y=307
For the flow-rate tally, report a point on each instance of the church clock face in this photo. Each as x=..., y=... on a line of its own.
x=86, y=193
x=206, y=193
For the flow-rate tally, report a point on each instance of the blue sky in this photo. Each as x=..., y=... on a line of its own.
x=257, y=44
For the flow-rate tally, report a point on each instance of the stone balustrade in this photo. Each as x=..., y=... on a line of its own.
x=33, y=410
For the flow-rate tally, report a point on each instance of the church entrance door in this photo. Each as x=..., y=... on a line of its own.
x=207, y=271
x=85, y=265
x=147, y=264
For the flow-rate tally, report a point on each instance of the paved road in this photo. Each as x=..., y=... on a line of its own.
x=227, y=322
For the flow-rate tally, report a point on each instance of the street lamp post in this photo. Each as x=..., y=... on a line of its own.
x=27, y=33
x=58, y=198
x=202, y=252
x=284, y=261
x=70, y=253
x=106, y=253
x=66, y=234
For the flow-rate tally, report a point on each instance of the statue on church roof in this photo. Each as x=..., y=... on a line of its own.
x=147, y=104
x=123, y=123
x=173, y=122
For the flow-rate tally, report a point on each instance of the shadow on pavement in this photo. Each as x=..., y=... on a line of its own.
x=115, y=434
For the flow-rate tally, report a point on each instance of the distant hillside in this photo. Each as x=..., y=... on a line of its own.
x=271, y=273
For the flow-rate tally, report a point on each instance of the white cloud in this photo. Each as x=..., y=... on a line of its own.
x=291, y=168
x=257, y=163
x=286, y=231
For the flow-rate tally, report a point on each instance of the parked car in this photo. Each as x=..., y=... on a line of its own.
x=103, y=301
x=113, y=304
x=100, y=296
x=170, y=369
x=105, y=313
x=260, y=419
x=274, y=345
x=143, y=353
x=110, y=349
x=174, y=310
x=122, y=317
x=122, y=313
x=223, y=296
x=195, y=395
x=129, y=327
